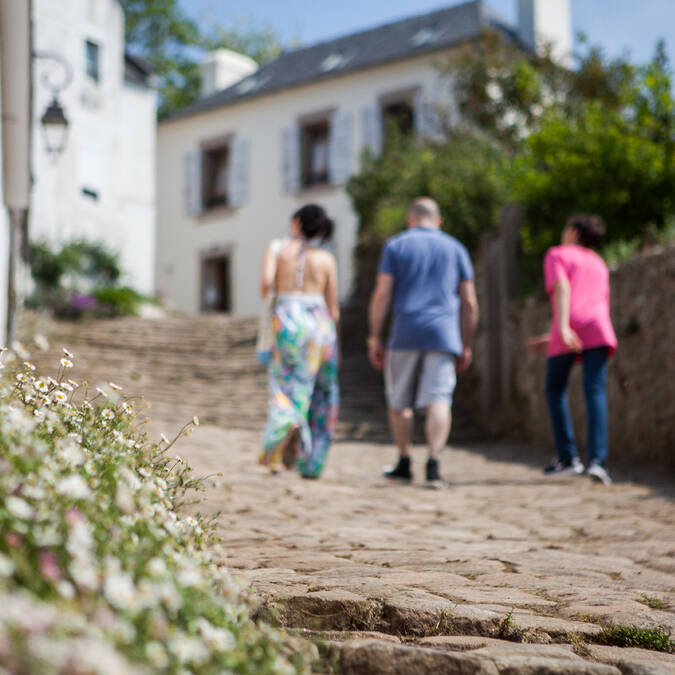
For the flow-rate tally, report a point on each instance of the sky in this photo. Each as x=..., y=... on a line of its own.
x=619, y=26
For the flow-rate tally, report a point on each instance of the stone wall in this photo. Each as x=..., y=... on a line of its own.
x=641, y=383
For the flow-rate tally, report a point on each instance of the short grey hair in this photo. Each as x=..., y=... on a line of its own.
x=424, y=208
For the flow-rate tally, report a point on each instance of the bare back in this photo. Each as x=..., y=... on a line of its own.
x=320, y=275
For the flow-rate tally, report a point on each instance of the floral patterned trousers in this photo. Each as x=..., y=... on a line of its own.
x=303, y=386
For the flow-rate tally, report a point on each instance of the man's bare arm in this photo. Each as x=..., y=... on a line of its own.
x=377, y=314
x=468, y=322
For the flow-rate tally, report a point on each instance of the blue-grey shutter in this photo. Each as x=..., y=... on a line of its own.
x=340, y=147
x=238, y=172
x=192, y=178
x=426, y=118
x=290, y=153
x=372, y=129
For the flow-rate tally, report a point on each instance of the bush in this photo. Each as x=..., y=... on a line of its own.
x=80, y=280
x=122, y=301
x=466, y=175
x=100, y=570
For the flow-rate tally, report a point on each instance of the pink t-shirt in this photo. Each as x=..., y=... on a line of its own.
x=588, y=277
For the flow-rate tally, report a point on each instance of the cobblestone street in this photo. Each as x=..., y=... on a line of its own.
x=503, y=572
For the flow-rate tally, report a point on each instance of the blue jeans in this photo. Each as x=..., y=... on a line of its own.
x=595, y=389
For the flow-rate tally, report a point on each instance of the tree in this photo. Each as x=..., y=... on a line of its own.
x=614, y=160
x=466, y=175
x=173, y=44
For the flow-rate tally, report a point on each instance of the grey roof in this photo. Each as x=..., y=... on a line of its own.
x=391, y=42
x=137, y=71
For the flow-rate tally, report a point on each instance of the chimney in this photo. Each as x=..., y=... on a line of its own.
x=542, y=22
x=222, y=68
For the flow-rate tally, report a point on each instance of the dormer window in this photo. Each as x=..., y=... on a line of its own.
x=92, y=66
x=333, y=62
x=423, y=37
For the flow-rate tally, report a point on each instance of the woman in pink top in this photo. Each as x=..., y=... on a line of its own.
x=577, y=281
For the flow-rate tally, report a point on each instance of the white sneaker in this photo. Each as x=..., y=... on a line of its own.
x=599, y=474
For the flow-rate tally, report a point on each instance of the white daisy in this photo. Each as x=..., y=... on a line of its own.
x=114, y=386
x=29, y=365
x=107, y=414
x=66, y=363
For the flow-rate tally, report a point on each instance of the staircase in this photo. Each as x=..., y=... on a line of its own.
x=203, y=366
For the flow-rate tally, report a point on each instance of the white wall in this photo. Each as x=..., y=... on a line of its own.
x=246, y=230
x=110, y=146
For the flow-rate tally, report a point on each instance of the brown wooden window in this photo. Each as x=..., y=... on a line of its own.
x=215, y=170
x=398, y=118
x=314, y=153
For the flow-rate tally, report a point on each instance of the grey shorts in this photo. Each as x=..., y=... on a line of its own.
x=415, y=379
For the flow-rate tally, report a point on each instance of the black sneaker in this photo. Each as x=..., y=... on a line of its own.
x=401, y=472
x=434, y=479
x=558, y=469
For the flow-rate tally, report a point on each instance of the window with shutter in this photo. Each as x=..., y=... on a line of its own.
x=192, y=178
x=238, y=172
x=340, y=148
x=290, y=152
x=397, y=115
x=427, y=118
x=372, y=129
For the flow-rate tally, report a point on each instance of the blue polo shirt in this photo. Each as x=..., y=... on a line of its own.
x=428, y=266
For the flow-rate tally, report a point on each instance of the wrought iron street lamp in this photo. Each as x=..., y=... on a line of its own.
x=55, y=127
x=54, y=121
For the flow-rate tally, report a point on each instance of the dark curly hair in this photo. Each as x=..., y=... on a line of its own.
x=591, y=228
x=314, y=222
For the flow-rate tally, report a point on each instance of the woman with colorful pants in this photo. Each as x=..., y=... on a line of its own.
x=303, y=384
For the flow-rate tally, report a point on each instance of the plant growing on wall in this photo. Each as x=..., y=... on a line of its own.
x=80, y=278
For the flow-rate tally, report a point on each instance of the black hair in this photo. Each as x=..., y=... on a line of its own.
x=591, y=228
x=314, y=222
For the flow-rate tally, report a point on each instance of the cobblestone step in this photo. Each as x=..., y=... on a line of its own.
x=203, y=366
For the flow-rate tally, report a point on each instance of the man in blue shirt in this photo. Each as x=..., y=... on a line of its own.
x=426, y=277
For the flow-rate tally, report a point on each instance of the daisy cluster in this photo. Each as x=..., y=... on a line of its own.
x=101, y=571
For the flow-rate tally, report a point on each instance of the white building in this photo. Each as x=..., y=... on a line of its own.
x=260, y=143
x=102, y=189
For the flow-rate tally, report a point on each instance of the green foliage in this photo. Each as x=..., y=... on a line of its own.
x=657, y=639
x=91, y=262
x=466, y=175
x=80, y=278
x=617, y=163
x=173, y=44
x=122, y=301
x=504, y=91
x=653, y=602
x=101, y=569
